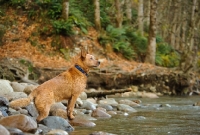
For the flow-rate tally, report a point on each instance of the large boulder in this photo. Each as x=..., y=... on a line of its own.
x=3, y=131
x=5, y=87
x=22, y=122
x=56, y=122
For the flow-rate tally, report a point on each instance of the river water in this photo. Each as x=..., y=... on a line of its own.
x=161, y=116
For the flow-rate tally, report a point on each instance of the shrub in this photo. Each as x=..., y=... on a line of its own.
x=165, y=55
x=17, y=2
x=119, y=41
x=63, y=27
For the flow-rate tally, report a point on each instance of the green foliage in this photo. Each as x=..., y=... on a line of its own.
x=82, y=11
x=138, y=42
x=63, y=27
x=65, y=52
x=165, y=55
x=124, y=48
x=55, y=10
x=17, y=2
x=119, y=41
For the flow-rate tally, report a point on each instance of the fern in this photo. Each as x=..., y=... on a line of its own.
x=164, y=48
x=63, y=27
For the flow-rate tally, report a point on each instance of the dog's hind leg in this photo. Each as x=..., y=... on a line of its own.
x=43, y=108
x=43, y=113
x=70, y=106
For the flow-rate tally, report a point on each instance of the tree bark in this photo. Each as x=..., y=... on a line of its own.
x=174, y=23
x=147, y=12
x=128, y=5
x=118, y=13
x=97, y=15
x=189, y=53
x=65, y=11
x=140, y=16
x=151, y=52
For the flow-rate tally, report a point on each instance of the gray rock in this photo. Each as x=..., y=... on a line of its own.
x=79, y=102
x=112, y=112
x=14, y=131
x=17, y=87
x=29, y=88
x=3, y=131
x=125, y=108
x=5, y=87
x=128, y=102
x=106, y=106
x=13, y=111
x=15, y=95
x=4, y=106
x=20, y=121
x=88, y=105
x=32, y=110
x=56, y=132
x=108, y=101
x=4, y=101
x=23, y=111
x=58, y=109
x=44, y=128
x=82, y=122
x=56, y=122
x=100, y=113
x=83, y=96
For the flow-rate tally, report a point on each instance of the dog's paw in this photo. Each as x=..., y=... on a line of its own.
x=71, y=117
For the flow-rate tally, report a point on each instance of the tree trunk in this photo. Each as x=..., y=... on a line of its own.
x=140, y=16
x=128, y=5
x=189, y=53
x=151, y=52
x=147, y=16
x=174, y=24
x=118, y=13
x=65, y=11
x=97, y=15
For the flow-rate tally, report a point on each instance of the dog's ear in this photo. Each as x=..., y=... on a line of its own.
x=88, y=50
x=83, y=52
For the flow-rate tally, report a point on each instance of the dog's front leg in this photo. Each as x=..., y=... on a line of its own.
x=70, y=106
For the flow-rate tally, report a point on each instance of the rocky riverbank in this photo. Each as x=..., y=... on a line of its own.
x=87, y=110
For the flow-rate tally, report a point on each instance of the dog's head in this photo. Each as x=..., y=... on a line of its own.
x=88, y=59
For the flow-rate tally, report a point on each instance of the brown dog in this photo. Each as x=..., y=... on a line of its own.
x=67, y=85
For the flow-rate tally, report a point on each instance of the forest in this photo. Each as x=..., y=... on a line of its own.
x=159, y=32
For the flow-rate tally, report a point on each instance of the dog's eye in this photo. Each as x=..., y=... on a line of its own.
x=91, y=58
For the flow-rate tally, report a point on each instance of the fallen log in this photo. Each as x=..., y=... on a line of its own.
x=103, y=93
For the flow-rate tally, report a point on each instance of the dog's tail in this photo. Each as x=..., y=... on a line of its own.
x=22, y=102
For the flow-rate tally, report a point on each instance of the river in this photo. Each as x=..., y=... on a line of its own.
x=161, y=116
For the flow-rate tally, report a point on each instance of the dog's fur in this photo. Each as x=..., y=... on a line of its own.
x=67, y=85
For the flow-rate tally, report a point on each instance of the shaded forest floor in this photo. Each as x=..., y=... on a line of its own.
x=19, y=42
